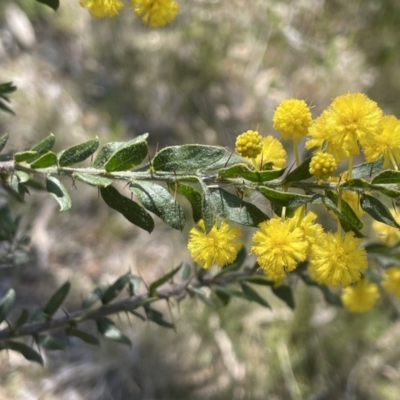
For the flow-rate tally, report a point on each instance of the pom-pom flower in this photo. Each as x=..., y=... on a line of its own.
x=391, y=280
x=102, y=8
x=292, y=118
x=217, y=247
x=155, y=13
x=386, y=143
x=337, y=259
x=323, y=165
x=306, y=223
x=279, y=245
x=351, y=120
x=249, y=144
x=361, y=297
x=272, y=152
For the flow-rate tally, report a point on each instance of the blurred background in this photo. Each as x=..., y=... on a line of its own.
x=219, y=69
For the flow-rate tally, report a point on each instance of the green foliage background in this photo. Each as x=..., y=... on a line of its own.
x=219, y=69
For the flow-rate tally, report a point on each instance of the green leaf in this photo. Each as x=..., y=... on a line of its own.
x=46, y=160
x=252, y=295
x=26, y=351
x=367, y=169
x=208, y=211
x=222, y=297
x=346, y=213
x=132, y=211
x=201, y=295
x=346, y=224
x=93, y=180
x=301, y=173
x=57, y=299
x=133, y=285
x=105, y=153
x=284, y=199
x=194, y=198
x=107, y=328
x=94, y=296
x=387, y=176
x=45, y=145
x=115, y=289
x=78, y=153
x=15, y=188
x=23, y=317
x=86, y=337
x=157, y=199
x=284, y=293
x=6, y=304
x=158, y=318
x=58, y=191
x=164, y=279
x=3, y=141
x=128, y=156
x=243, y=171
x=190, y=157
x=377, y=210
x=390, y=190
x=23, y=177
x=54, y=4
x=186, y=271
x=25, y=156
x=49, y=342
x=233, y=208
x=136, y=314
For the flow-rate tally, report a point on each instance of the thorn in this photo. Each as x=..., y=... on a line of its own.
x=227, y=161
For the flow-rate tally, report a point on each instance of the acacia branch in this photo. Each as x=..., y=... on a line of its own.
x=168, y=291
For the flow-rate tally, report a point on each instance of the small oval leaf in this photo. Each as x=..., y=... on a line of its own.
x=105, y=153
x=388, y=176
x=243, y=171
x=54, y=4
x=49, y=342
x=3, y=141
x=164, y=279
x=6, y=304
x=158, y=200
x=132, y=211
x=115, y=289
x=367, y=169
x=128, y=156
x=25, y=156
x=46, y=160
x=45, y=145
x=233, y=208
x=78, y=153
x=26, y=351
x=377, y=210
x=58, y=191
x=194, y=198
x=57, y=299
x=301, y=173
x=190, y=157
x=93, y=180
x=284, y=199
x=107, y=328
x=86, y=337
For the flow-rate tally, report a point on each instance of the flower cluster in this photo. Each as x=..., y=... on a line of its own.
x=155, y=13
x=351, y=123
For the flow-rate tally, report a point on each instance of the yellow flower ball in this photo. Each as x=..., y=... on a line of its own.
x=391, y=280
x=323, y=165
x=272, y=151
x=102, y=8
x=361, y=297
x=249, y=144
x=292, y=118
x=217, y=247
x=155, y=13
